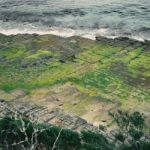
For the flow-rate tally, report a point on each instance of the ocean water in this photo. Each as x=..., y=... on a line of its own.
x=86, y=18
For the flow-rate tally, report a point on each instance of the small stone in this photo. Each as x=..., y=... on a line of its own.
x=61, y=104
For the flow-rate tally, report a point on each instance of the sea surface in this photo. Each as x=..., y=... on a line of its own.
x=86, y=18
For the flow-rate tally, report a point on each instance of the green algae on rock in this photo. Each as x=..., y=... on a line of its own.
x=114, y=70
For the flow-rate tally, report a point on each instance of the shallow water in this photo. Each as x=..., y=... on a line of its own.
x=86, y=18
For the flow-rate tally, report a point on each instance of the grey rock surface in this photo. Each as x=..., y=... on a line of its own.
x=43, y=115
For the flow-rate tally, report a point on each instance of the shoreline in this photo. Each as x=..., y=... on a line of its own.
x=93, y=39
x=67, y=32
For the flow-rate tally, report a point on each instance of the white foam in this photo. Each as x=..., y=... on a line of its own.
x=64, y=32
x=137, y=38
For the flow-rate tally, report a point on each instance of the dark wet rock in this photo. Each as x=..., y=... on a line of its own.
x=147, y=46
x=2, y=101
x=62, y=61
x=120, y=41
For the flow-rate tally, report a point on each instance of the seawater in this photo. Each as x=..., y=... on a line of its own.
x=86, y=18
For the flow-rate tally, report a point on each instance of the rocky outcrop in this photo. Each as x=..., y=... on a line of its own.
x=44, y=115
x=41, y=114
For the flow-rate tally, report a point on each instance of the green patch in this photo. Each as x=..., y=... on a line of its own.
x=103, y=82
x=39, y=53
x=13, y=52
x=110, y=71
